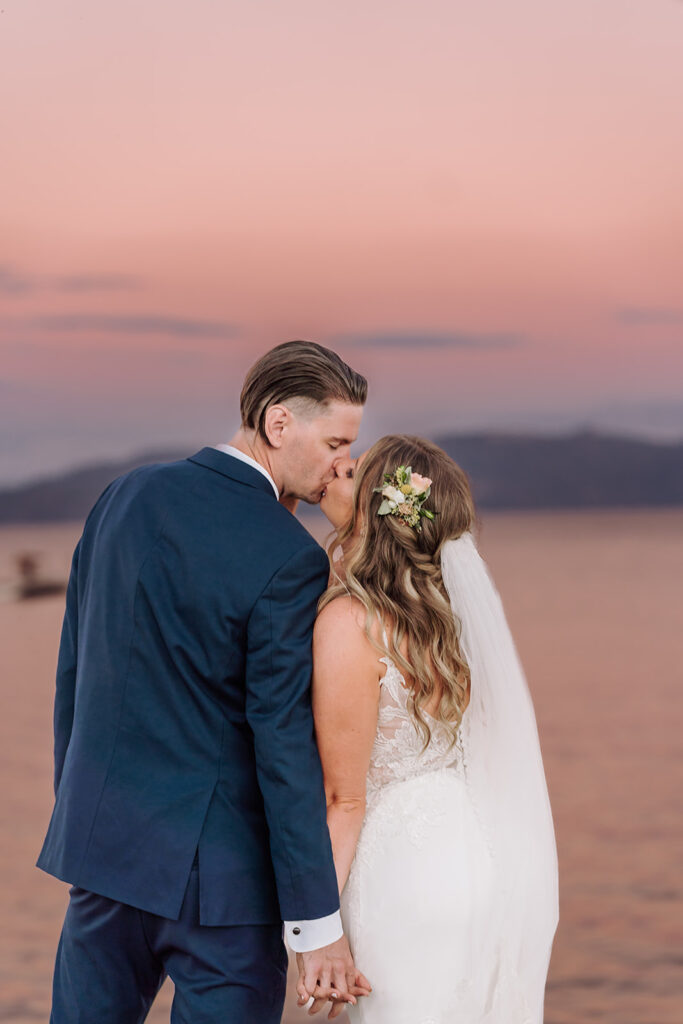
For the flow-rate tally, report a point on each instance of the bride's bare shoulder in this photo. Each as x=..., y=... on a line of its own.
x=342, y=613
x=340, y=626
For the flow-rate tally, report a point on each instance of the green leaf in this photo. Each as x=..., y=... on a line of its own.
x=384, y=509
x=427, y=514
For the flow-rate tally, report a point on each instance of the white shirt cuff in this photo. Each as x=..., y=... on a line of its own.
x=302, y=936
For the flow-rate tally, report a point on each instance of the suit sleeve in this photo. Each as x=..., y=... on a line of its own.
x=278, y=709
x=66, y=672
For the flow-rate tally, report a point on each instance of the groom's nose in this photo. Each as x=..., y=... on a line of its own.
x=334, y=470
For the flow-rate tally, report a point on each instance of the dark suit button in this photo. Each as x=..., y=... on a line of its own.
x=296, y=931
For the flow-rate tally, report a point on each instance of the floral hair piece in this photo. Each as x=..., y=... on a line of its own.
x=404, y=494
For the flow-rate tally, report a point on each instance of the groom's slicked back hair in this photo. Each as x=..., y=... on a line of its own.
x=298, y=370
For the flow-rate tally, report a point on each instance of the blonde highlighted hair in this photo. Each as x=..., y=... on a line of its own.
x=395, y=571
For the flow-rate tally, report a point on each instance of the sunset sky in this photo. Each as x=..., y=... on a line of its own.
x=480, y=205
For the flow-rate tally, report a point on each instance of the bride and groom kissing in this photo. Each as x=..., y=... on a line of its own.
x=248, y=732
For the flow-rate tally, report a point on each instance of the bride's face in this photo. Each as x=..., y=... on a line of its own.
x=337, y=499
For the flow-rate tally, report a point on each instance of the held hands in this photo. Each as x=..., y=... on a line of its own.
x=330, y=974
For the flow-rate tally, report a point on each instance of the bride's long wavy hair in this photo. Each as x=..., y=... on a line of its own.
x=395, y=570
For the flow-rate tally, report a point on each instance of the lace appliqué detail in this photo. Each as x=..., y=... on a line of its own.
x=407, y=811
x=397, y=753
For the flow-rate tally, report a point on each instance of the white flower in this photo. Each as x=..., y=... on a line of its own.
x=393, y=494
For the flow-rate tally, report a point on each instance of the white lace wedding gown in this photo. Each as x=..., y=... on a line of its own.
x=420, y=900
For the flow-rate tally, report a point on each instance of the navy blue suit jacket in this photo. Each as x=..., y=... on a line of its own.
x=182, y=715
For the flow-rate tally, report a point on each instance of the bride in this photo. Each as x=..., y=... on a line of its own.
x=437, y=804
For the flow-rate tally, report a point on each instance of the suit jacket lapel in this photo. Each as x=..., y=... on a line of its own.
x=227, y=465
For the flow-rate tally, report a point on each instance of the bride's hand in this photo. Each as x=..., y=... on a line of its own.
x=329, y=974
x=362, y=987
x=337, y=1008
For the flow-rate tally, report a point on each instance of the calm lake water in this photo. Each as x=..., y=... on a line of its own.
x=594, y=601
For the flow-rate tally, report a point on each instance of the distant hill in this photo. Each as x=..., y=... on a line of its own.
x=507, y=471
x=71, y=495
x=583, y=470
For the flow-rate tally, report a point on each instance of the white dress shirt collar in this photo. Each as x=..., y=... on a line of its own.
x=237, y=454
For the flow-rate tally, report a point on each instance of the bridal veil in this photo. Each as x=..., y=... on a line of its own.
x=504, y=772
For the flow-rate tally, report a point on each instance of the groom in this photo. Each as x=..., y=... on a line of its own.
x=190, y=813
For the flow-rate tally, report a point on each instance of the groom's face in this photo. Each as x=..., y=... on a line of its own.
x=312, y=447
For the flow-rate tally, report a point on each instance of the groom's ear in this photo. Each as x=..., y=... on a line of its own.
x=277, y=421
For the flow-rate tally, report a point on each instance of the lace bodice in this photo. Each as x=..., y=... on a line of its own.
x=397, y=753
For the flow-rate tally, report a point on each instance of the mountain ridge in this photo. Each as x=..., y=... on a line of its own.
x=585, y=469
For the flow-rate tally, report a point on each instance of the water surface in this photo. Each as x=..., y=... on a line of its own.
x=594, y=601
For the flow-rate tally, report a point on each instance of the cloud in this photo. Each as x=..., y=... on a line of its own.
x=98, y=282
x=16, y=282
x=136, y=324
x=430, y=339
x=13, y=283
x=650, y=316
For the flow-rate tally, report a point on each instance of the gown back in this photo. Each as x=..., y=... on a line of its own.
x=420, y=898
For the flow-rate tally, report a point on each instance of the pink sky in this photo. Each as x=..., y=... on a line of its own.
x=480, y=205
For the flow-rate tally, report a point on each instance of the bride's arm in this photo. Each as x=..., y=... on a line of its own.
x=345, y=701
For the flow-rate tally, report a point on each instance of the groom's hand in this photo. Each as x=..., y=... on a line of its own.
x=329, y=973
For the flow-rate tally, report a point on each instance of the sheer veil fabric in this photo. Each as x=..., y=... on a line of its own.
x=451, y=902
x=505, y=776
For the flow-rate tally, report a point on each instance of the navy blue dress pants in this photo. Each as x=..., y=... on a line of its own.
x=112, y=960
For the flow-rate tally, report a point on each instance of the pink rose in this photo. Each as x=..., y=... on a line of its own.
x=420, y=483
